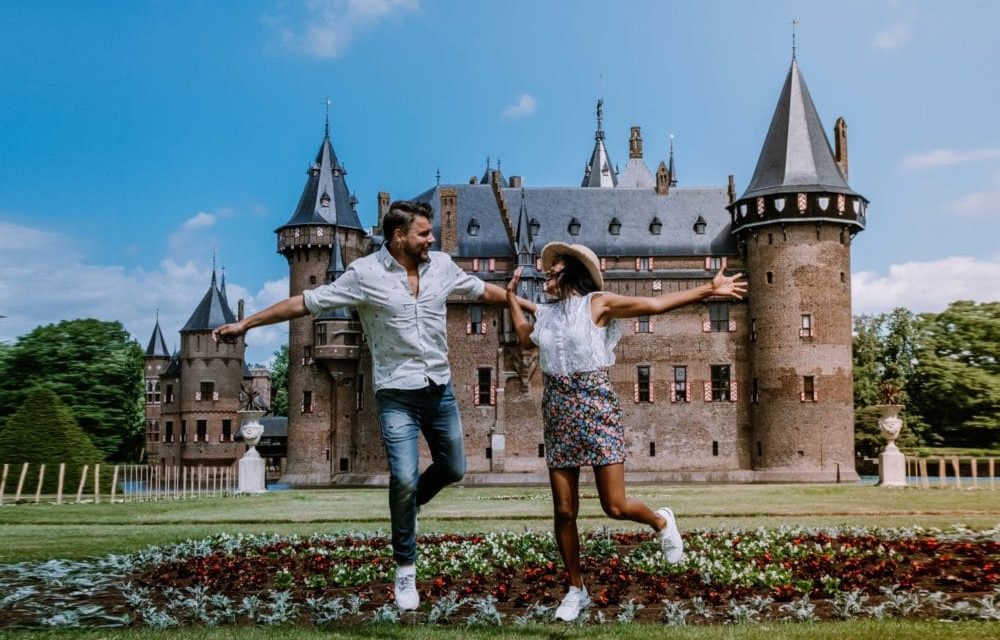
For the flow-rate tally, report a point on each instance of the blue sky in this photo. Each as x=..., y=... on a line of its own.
x=136, y=136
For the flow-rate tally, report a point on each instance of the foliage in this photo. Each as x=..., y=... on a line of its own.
x=43, y=431
x=94, y=367
x=869, y=441
x=956, y=384
x=279, y=382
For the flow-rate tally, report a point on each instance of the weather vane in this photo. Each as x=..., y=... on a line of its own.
x=795, y=23
x=327, y=128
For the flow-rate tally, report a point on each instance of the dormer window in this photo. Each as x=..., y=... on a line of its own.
x=574, y=227
x=655, y=227
x=324, y=200
x=473, y=228
x=615, y=227
x=534, y=226
x=314, y=170
x=699, y=226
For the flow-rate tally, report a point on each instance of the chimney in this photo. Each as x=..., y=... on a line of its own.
x=732, y=189
x=515, y=182
x=840, y=144
x=383, y=208
x=449, y=220
x=662, y=180
x=635, y=144
x=239, y=310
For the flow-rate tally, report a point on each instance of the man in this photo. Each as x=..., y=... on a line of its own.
x=400, y=293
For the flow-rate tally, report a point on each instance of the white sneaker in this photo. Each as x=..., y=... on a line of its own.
x=407, y=598
x=576, y=599
x=670, y=538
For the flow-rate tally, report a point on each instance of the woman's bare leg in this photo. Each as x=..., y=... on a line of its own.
x=565, y=485
x=611, y=488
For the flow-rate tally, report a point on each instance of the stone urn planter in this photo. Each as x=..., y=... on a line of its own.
x=251, y=464
x=892, y=462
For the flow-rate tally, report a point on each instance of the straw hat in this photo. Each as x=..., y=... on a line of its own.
x=586, y=257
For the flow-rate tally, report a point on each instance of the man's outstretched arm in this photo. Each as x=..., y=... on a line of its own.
x=288, y=309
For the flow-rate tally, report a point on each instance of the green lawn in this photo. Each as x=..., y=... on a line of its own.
x=43, y=531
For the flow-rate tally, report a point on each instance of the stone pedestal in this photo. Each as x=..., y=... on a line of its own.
x=892, y=467
x=252, y=472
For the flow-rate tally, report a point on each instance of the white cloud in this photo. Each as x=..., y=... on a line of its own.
x=43, y=280
x=525, y=106
x=892, y=38
x=200, y=221
x=948, y=158
x=329, y=26
x=927, y=286
x=978, y=203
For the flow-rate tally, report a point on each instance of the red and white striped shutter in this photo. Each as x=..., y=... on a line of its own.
x=673, y=392
x=651, y=263
x=802, y=396
x=538, y=264
x=815, y=393
x=652, y=388
x=732, y=325
x=604, y=264
x=635, y=326
x=475, y=395
x=732, y=392
x=652, y=324
x=468, y=327
x=637, y=264
x=708, y=263
x=708, y=390
x=475, y=264
x=687, y=392
x=635, y=392
x=482, y=325
x=493, y=394
x=725, y=261
x=493, y=265
x=706, y=326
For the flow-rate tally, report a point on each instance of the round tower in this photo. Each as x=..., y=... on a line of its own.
x=325, y=225
x=795, y=224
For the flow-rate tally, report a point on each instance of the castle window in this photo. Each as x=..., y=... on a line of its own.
x=643, y=264
x=169, y=435
x=184, y=431
x=755, y=392
x=534, y=226
x=714, y=263
x=541, y=450
x=312, y=279
x=489, y=453
x=149, y=391
x=680, y=391
x=808, y=389
x=760, y=449
x=843, y=277
x=806, y=330
x=307, y=401
x=718, y=314
x=643, y=386
x=753, y=329
x=320, y=335
x=307, y=354
x=720, y=383
x=715, y=447
x=201, y=431
x=475, y=324
x=642, y=325
x=343, y=464
x=655, y=227
x=615, y=227
x=652, y=449
x=574, y=227
x=359, y=399
x=156, y=392
x=770, y=277
x=170, y=394
x=770, y=238
x=227, y=431
x=484, y=393
x=473, y=228
x=206, y=391
x=350, y=339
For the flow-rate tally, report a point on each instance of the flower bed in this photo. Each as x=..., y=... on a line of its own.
x=516, y=578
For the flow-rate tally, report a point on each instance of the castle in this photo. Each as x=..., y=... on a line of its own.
x=751, y=391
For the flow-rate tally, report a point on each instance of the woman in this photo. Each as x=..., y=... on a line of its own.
x=581, y=416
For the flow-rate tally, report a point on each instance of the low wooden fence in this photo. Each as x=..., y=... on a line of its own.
x=24, y=483
x=961, y=472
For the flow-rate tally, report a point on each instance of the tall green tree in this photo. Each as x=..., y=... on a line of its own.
x=94, y=367
x=867, y=354
x=956, y=382
x=279, y=382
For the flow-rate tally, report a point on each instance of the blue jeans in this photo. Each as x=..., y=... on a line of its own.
x=403, y=414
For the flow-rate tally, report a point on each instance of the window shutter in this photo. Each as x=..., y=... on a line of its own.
x=468, y=327
x=475, y=264
x=652, y=388
x=197, y=395
x=706, y=326
x=493, y=265
x=687, y=392
x=493, y=394
x=635, y=326
x=815, y=394
x=635, y=392
x=637, y=264
x=538, y=264
x=708, y=390
x=732, y=392
x=215, y=395
x=708, y=263
x=732, y=326
x=802, y=396
x=651, y=267
x=724, y=261
x=475, y=395
x=652, y=324
x=604, y=264
x=482, y=327
x=673, y=392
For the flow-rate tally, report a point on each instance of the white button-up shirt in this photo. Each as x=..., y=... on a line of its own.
x=407, y=335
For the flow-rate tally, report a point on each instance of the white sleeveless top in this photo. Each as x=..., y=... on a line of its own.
x=569, y=341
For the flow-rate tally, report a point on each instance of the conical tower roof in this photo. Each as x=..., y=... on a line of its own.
x=325, y=198
x=600, y=171
x=796, y=156
x=211, y=312
x=157, y=345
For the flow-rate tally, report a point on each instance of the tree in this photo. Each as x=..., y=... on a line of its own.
x=956, y=383
x=94, y=367
x=279, y=382
x=43, y=430
x=867, y=353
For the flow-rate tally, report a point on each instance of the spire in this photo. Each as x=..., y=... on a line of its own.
x=600, y=171
x=325, y=198
x=670, y=167
x=488, y=175
x=636, y=174
x=326, y=128
x=523, y=238
x=796, y=155
x=222, y=288
x=336, y=267
x=795, y=23
x=212, y=311
x=157, y=345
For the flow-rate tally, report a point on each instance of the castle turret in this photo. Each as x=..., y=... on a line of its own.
x=600, y=171
x=155, y=362
x=795, y=223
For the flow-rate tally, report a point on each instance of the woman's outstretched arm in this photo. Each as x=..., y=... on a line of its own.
x=521, y=325
x=612, y=305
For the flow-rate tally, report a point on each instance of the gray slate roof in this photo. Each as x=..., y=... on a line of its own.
x=326, y=177
x=796, y=156
x=211, y=312
x=636, y=175
x=157, y=345
x=594, y=208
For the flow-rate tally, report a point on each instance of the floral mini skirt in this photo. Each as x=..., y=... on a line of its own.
x=582, y=421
